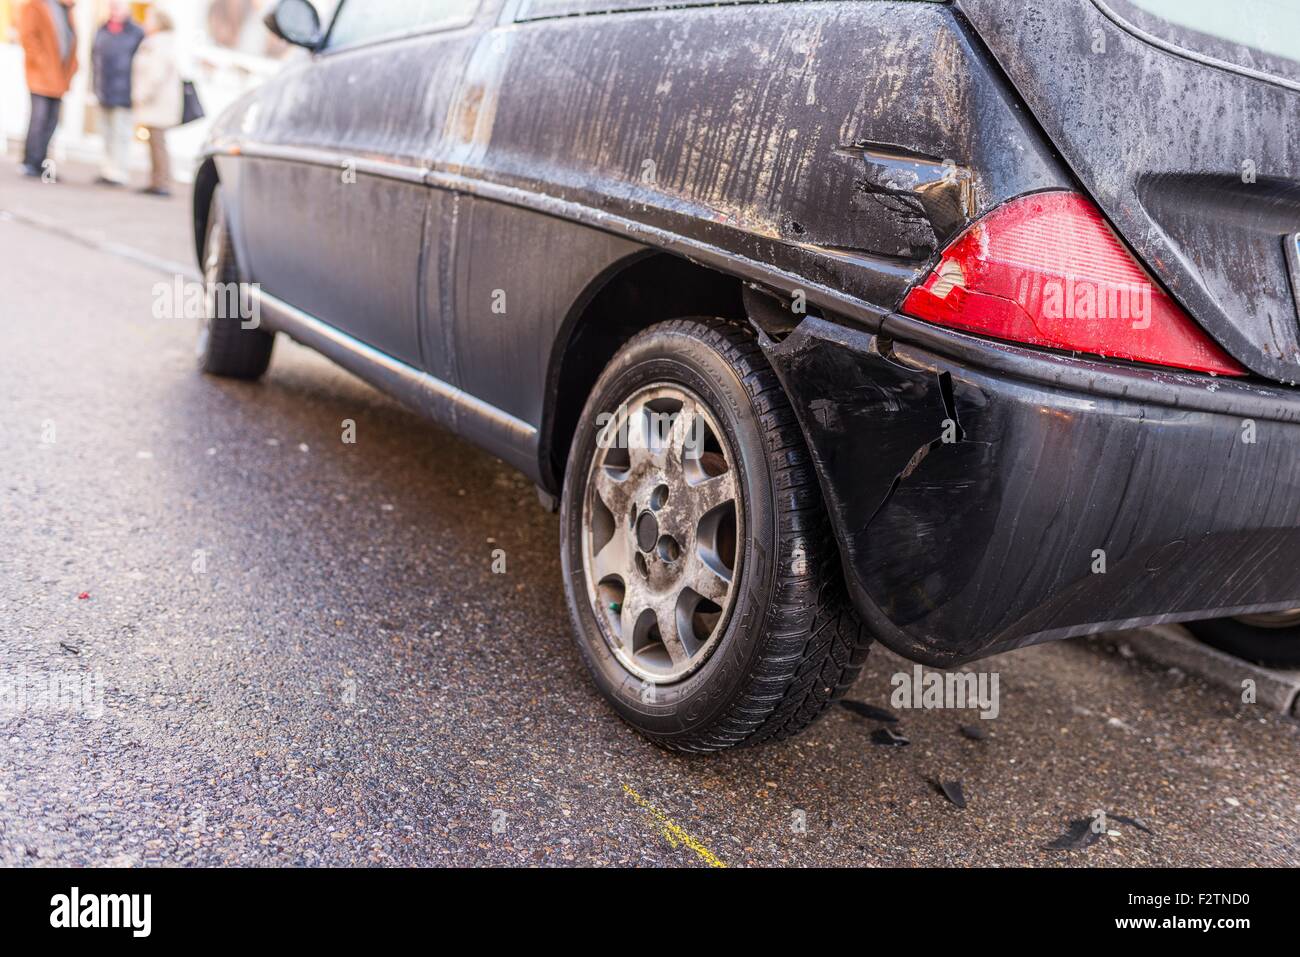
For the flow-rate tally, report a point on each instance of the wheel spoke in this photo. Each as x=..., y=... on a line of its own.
x=672, y=640
x=708, y=579
x=633, y=605
x=627, y=431
x=712, y=492
x=639, y=441
x=614, y=492
x=615, y=557
x=684, y=439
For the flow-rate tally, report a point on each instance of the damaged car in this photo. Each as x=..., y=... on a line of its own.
x=952, y=326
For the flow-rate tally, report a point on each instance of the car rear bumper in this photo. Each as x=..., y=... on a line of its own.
x=987, y=496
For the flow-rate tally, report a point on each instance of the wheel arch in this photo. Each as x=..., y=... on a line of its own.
x=635, y=292
x=205, y=183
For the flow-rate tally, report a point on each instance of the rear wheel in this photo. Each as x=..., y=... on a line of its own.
x=228, y=343
x=701, y=574
x=1271, y=639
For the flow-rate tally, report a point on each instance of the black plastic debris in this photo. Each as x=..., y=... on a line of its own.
x=889, y=738
x=953, y=792
x=1082, y=832
x=870, y=711
x=1136, y=822
x=1079, y=835
x=70, y=649
x=973, y=731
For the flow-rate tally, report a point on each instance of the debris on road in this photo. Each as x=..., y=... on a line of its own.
x=889, y=738
x=869, y=711
x=1086, y=831
x=1078, y=836
x=953, y=792
x=1136, y=822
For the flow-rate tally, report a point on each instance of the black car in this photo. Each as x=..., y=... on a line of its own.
x=956, y=326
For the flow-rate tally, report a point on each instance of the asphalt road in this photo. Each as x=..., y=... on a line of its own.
x=306, y=657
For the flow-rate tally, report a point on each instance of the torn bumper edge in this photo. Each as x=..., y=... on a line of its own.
x=986, y=496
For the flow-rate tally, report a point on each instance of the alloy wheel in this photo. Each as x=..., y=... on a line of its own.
x=663, y=538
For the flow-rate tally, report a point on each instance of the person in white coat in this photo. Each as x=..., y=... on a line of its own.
x=156, y=95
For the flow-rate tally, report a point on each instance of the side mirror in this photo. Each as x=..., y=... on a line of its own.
x=296, y=22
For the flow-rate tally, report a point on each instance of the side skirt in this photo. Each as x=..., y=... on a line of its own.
x=505, y=436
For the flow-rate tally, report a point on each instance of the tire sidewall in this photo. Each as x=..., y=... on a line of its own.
x=225, y=347
x=672, y=355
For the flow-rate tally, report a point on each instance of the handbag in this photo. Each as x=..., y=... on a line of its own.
x=191, y=109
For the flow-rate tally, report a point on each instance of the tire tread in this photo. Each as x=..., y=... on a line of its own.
x=233, y=352
x=817, y=646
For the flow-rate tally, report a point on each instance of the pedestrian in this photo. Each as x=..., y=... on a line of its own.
x=114, y=49
x=156, y=96
x=50, y=48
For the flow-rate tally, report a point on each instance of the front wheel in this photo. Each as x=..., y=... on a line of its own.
x=230, y=342
x=702, y=578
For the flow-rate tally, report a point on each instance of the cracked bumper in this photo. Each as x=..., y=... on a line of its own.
x=987, y=497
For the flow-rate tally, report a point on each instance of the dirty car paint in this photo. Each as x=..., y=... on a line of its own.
x=829, y=150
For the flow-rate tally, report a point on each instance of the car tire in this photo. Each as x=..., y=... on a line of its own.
x=773, y=650
x=1269, y=640
x=225, y=347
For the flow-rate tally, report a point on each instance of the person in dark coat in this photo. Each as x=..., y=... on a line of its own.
x=111, y=56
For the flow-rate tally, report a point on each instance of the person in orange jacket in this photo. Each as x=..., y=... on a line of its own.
x=50, y=45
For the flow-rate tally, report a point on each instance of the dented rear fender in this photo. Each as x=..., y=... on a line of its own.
x=983, y=505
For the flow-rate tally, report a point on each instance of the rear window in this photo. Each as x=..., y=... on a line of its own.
x=1262, y=36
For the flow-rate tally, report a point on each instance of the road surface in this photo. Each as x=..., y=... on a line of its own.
x=294, y=650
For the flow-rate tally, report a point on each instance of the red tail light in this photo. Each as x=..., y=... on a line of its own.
x=1047, y=270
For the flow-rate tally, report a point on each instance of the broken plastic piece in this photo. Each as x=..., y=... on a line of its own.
x=889, y=738
x=1078, y=836
x=1083, y=831
x=953, y=792
x=869, y=711
x=1136, y=822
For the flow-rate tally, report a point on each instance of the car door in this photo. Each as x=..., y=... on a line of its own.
x=333, y=197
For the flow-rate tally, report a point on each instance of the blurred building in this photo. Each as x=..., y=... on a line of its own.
x=222, y=46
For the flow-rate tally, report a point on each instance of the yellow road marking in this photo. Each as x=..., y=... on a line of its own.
x=673, y=833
